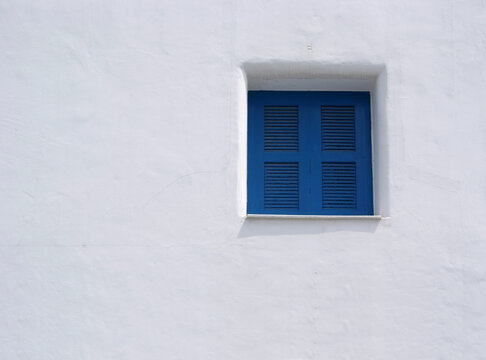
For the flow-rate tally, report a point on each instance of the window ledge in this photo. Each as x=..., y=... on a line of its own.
x=317, y=217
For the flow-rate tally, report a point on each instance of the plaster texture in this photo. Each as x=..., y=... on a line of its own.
x=122, y=172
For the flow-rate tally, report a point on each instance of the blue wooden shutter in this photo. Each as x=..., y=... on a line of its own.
x=277, y=179
x=344, y=159
x=309, y=153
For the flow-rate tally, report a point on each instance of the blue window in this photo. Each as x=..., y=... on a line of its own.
x=309, y=153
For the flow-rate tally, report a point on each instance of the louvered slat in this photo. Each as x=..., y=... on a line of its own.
x=339, y=185
x=338, y=128
x=281, y=128
x=281, y=185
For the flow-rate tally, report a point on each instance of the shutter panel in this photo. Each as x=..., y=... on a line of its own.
x=275, y=167
x=281, y=179
x=281, y=128
x=338, y=133
x=281, y=185
x=338, y=128
x=338, y=185
x=345, y=159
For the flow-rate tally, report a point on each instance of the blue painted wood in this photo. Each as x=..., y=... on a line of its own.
x=326, y=136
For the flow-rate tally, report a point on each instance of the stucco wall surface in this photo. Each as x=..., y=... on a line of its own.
x=121, y=164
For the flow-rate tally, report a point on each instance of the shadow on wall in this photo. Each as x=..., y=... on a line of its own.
x=274, y=227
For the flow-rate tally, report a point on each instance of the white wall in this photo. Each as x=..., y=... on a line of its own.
x=120, y=179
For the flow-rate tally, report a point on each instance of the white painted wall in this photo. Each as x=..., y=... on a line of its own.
x=121, y=161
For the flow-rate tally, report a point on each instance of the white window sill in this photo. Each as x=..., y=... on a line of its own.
x=317, y=217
